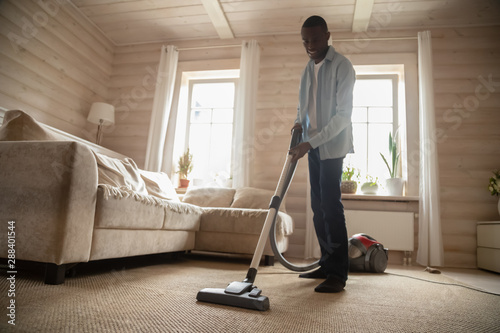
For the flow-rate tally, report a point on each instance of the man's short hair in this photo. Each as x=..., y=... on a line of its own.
x=315, y=21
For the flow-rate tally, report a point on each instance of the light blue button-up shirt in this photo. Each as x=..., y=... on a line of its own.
x=336, y=79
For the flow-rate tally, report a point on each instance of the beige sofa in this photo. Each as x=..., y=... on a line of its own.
x=71, y=204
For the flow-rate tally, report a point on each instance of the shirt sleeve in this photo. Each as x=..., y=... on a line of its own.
x=345, y=86
x=297, y=119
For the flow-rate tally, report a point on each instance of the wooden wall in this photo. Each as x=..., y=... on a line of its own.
x=467, y=100
x=53, y=63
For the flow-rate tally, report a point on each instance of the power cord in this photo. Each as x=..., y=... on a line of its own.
x=406, y=276
x=445, y=283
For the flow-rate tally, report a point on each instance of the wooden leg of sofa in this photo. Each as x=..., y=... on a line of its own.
x=268, y=260
x=54, y=274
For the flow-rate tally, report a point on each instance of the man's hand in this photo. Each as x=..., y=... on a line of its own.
x=299, y=151
x=296, y=126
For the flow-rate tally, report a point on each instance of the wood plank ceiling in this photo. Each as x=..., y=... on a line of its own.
x=141, y=21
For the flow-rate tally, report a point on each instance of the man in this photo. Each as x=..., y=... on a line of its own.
x=324, y=117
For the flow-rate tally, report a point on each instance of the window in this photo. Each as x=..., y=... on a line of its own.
x=404, y=67
x=210, y=127
x=374, y=116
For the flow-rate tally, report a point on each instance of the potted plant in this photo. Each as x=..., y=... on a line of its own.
x=185, y=166
x=494, y=186
x=348, y=185
x=394, y=184
x=370, y=186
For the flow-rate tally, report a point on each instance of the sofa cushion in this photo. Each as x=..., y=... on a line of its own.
x=254, y=198
x=122, y=208
x=210, y=196
x=242, y=221
x=116, y=209
x=20, y=126
x=158, y=184
x=181, y=216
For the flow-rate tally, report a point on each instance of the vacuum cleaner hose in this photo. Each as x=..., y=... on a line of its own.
x=283, y=185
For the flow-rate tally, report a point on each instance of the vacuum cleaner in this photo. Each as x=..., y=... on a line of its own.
x=366, y=254
x=245, y=294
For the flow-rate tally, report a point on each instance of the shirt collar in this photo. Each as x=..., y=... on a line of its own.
x=330, y=54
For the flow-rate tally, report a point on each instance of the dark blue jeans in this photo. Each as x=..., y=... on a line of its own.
x=329, y=220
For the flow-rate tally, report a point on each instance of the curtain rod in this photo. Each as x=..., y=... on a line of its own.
x=333, y=40
x=374, y=38
x=206, y=47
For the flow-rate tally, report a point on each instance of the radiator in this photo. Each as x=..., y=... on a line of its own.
x=393, y=229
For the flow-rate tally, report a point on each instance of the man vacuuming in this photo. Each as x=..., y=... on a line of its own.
x=324, y=117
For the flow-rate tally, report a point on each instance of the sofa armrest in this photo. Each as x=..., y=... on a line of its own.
x=49, y=189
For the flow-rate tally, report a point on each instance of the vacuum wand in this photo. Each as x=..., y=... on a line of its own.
x=274, y=206
x=244, y=294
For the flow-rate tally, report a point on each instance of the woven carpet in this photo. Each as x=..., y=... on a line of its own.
x=158, y=294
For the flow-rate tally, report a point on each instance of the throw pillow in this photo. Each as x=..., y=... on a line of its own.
x=249, y=197
x=158, y=184
x=119, y=172
x=209, y=196
x=20, y=126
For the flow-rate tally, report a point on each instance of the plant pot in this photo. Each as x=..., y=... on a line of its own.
x=183, y=183
x=369, y=188
x=395, y=186
x=348, y=186
x=499, y=206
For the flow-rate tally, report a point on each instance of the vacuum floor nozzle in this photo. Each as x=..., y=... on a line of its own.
x=252, y=299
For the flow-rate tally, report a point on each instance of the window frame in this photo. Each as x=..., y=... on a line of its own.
x=406, y=66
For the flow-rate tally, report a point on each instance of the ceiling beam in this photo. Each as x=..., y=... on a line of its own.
x=362, y=14
x=214, y=11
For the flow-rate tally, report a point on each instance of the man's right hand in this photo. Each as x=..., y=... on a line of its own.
x=296, y=126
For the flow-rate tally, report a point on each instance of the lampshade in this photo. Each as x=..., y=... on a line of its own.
x=102, y=112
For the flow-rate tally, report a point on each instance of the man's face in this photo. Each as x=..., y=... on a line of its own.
x=315, y=40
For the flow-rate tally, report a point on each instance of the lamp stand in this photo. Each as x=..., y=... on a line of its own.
x=99, y=132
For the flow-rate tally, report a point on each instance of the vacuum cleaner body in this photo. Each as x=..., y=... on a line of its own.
x=366, y=254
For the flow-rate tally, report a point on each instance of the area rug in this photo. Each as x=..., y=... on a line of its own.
x=158, y=294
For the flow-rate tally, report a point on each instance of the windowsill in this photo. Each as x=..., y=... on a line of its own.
x=365, y=197
x=372, y=197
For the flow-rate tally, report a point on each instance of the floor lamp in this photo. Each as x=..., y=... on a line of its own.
x=101, y=114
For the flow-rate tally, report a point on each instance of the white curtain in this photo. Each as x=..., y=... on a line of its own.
x=430, y=249
x=244, y=113
x=162, y=105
